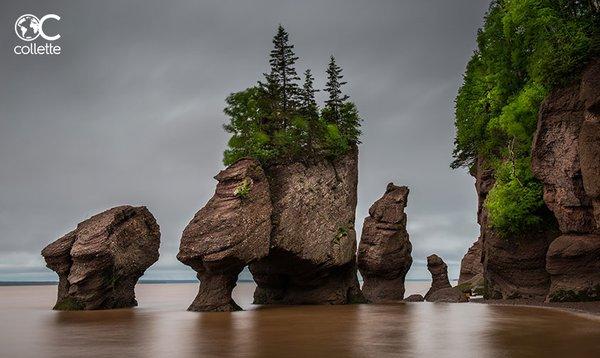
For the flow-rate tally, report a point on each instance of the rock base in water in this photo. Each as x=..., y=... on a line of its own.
x=414, y=298
x=450, y=295
x=312, y=255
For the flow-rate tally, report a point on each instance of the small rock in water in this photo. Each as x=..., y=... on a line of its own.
x=451, y=295
x=414, y=298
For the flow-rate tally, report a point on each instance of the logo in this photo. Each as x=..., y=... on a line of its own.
x=29, y=28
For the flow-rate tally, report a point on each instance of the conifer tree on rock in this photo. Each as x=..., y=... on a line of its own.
x=310, y=111
x=281, y=85
x=338, y=110
x=333, y=105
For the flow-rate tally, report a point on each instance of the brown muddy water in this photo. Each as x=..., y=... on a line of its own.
x=160, y=327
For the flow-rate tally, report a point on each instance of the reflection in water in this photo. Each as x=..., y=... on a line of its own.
x=161, y=327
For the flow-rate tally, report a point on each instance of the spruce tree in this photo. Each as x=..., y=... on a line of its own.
x=310, y=111
x=281, y=86
x=308, y=104
x=334, y=103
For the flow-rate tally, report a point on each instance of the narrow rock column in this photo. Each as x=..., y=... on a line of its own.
x=384, y=250
x=439, y=274
x=215, y=290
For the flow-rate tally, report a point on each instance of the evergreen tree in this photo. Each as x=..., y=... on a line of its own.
x=308, y=104
x=278, y=121
x=334, y=103
x=281, y=89
x=310, y=111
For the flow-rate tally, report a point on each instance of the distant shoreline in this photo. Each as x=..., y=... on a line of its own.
x=143, y=282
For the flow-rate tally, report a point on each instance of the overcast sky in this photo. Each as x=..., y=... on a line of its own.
x=131, y=112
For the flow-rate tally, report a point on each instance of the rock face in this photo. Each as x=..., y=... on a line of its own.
x=99, y=263
x=566, y=159
x=232, y=230
x=439, y=274
x=473, y=287
x=513, y=267
x=384, y=250
x=312, y=256
x=471, y=264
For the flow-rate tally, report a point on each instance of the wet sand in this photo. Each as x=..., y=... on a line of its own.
x=589, y=308
x=160, y=327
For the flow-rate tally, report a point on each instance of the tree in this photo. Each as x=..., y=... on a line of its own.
x=310, y=111
x=277, y=121
x=250, y=135
x=281, y=89
x=525, y=49
x=335, y=100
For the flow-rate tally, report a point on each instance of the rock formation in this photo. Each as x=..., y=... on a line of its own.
x=439, y=274
x=414, y=298
x=384, y=250
x=312, y=256
x=473, y=287
x=232, y=230
x=451, y=295
x=513, y=267
x=99, y=263
x=566, y=159
x=471, y=264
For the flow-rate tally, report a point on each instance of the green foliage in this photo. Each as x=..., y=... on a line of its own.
x=525, y=48
x=243, y=189
x=278, y=121
x=515, y=200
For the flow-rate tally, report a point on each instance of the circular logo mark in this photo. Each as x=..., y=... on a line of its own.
x=27, y=27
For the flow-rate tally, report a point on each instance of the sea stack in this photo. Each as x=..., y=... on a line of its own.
x=384, y=250
x=566, y=159
x=439, y=274
x=99, y=263
x=229, y=232
x=312, y=251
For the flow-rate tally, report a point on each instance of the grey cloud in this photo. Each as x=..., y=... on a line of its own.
x=131, y=112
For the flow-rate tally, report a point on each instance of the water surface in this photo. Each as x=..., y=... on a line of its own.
x=160, y=327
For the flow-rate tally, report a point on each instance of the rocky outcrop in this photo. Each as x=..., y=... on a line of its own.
x=473, y=287
x=99, y=263
x=414, y=298
x=439, y=274
x=513, y=267
x=312, y=256
x=229, y=232
x=450, y=295
x=384, y=250
x=471, y=264
x=573, y=262
x=566, y=159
